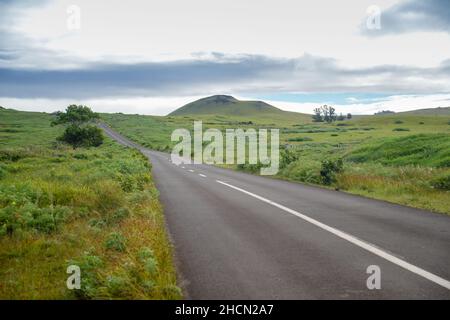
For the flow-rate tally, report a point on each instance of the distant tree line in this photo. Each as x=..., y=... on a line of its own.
x=328, y=114
x=384, y=112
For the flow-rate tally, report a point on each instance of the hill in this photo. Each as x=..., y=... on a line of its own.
x=225, y=105
x=440, y=111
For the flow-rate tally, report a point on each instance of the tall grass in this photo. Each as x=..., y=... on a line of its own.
x=96, y=208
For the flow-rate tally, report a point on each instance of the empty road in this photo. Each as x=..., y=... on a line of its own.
x=241, y=236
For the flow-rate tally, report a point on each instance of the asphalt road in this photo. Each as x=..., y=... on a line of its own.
x=241, y=236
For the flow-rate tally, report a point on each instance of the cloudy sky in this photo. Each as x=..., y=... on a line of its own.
x=153, y=56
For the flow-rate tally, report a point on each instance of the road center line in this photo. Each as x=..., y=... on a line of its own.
x=202, y=175
x=360, y=243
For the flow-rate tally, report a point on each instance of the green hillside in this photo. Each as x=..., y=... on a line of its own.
x=225, y=105
x=440, y=111
x=432, y=150
x=401, y=157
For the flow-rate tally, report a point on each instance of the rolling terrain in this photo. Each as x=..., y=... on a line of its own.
x=402, y=158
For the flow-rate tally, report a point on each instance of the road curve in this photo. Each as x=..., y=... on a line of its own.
x=241, y=236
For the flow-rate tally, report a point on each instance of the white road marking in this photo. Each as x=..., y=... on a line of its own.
x=190, y=170
x=182, y=167
x=202, y=175
x=360, y=243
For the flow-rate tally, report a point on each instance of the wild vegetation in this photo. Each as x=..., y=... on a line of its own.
x=96, y=208
x=79, y=130
x=402, y=157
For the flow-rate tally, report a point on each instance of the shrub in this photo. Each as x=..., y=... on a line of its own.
x=2, y=171
x=87, y=136
x=147, y=257
x=286, y=157
x=90, y=281
x=253, y=168
x=115, y=241
x=119, y=215
x=398, y=121
x=80, y=156
x=118, y=286
x=171, y=292
x=16, y=154
x=151, y=265
x=109, y=196
x=329, y=170
x=298, y=139
x=75, y=115
x=145, y=253
x=400, y=129
x=29, y=216
x=442, y=183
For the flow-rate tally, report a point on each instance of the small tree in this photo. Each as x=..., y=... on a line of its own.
x=77, y=115
x=329, y=113
x=330, y=169
x=326, y=113
x=79, y=130
x=317, y=116
x=332, y=114
x=349, y=115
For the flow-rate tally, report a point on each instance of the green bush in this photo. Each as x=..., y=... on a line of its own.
x=17, y=154
x=253, y=168
x=400, y=129
x=115, y=241
x=398, y=121
x=299, y=139
x=286, y=157
x=80, y=156
x=118, y=286
x=442, y=183
x=87, y=136
x=329, y=170
x=119, y=215
x=147, y=257
x=89, y=265
x=30, y=217
x=3, y=171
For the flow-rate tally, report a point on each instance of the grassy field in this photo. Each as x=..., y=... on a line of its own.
x=96, y=208
x=402, y=158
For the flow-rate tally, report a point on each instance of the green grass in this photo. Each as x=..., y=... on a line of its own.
x=428, y=150
x=97, y=208
x=397, y=166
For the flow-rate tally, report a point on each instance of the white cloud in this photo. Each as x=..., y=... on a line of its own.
x=137, y=31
